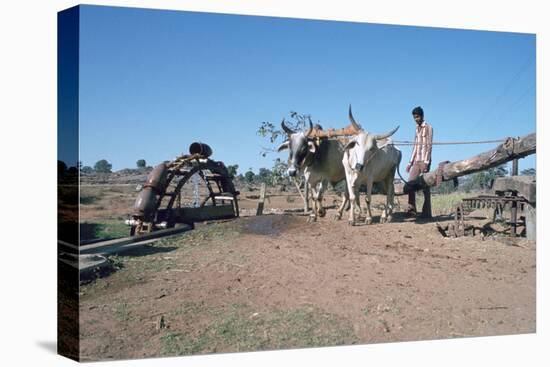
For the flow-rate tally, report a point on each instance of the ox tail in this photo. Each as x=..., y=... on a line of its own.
x=407, y=183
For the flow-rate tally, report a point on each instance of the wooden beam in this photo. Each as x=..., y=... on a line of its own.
x=509, y=150
x=333, y=133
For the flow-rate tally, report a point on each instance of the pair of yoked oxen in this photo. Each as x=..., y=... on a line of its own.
x=365, y=159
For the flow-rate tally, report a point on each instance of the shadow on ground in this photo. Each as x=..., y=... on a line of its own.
x=48, y=345
x=90, y=231
x=146, y=250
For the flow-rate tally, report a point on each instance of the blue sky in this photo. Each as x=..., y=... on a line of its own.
x=152, y=82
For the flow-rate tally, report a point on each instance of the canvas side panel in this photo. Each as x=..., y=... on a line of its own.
x=67, y=183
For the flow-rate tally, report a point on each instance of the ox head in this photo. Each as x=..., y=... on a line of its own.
x=300, y=146
x=363, y=146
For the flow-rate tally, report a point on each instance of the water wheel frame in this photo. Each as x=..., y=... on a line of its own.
x=168, y=212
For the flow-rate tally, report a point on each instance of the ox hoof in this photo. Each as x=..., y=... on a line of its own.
x=312, y=219
x=351, y=222
x=382, y=220
x=337, y=216
x=368, y=220
x=389, y=219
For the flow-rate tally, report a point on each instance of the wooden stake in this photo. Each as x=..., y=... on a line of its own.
x=261, y=200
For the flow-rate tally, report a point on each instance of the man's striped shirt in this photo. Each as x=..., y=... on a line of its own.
x=422, y=151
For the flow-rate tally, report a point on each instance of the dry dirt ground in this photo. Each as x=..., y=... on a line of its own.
x=276, y=281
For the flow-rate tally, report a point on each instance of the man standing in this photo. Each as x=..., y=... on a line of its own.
x=420, y=161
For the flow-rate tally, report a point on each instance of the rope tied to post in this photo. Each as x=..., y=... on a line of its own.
x=408, y=142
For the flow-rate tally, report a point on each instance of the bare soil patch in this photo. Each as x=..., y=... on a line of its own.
x=275, y=281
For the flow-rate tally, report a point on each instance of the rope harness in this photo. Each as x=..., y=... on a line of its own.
x=368, y=160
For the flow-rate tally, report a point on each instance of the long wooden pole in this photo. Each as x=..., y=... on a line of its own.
x=512, y=148
x=120, y=244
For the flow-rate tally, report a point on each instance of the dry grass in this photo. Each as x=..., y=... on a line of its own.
x=442, y=204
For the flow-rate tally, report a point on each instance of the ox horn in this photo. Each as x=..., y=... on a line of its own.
x=286, y=129
x=387, y=135
x=354, y=123
x=310, y=127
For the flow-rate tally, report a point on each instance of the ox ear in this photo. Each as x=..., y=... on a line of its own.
x=311, y=146
x=350, y=145
x=283, y=146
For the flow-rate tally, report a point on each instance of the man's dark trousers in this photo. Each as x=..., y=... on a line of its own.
x=415, y=171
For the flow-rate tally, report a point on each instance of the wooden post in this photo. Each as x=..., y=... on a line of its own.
x=306, y=197
x=514, y=209
x=261, y=201
x=514, y=218
x=515, y=164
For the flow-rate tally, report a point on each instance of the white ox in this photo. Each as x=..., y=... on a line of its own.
x=369, y=159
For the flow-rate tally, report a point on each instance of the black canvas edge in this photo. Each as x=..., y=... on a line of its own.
x=68, y=329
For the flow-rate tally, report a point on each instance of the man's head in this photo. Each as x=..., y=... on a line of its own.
x=418, y=115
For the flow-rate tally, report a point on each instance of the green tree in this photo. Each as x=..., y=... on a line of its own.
x=278, y=172
x=264, y=175
x=529, y=172
x=446, y=187
x=483, y=180
x=249, y=176
x=86, y=170
x=103, y=166
x=232, y=169
x=141, y=163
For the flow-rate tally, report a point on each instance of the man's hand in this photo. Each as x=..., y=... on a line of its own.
x=424, y=167
x=409, y=167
